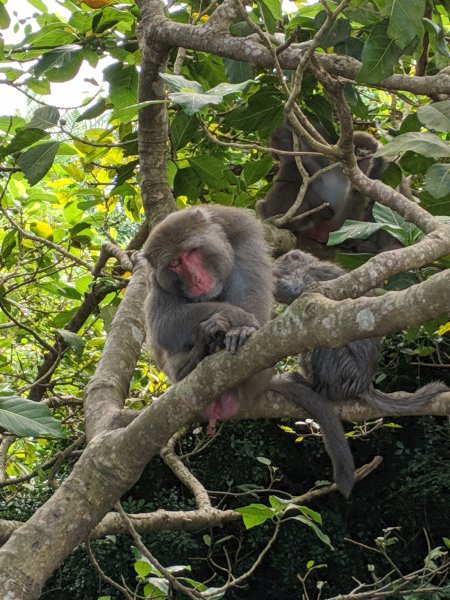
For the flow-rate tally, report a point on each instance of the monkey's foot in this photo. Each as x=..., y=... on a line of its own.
x=225, y=407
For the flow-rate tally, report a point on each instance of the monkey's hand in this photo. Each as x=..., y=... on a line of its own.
x=236, y=336
x=228, y=332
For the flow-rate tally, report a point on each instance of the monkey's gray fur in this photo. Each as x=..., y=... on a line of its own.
x=210, y=287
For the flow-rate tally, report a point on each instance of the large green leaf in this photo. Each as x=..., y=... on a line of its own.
x=72, y=340
x=60, y=64
x=255, y=514
x=358, y=230
x=44, y=117
x=49, y=36
x=426, y=144
x=274, y=7
x=36, y=162
x=437, y=180
x=123, y=80
x=182, y=130
x=28, y=418
x=24, y=137
x=4, y=17
x=379, y=56
x=405, y=23
x=435, y=116
x=191, y=97
x=209, y=169
x=254, y=170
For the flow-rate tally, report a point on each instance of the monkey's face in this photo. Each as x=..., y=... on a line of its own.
x=190, y=255
x=288, y=277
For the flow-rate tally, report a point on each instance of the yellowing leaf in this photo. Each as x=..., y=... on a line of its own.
x=42, y=229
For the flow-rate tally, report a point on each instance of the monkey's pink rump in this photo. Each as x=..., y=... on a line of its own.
x=225, y=407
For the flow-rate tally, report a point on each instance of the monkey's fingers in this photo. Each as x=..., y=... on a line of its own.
x=237, y=336
x=214, y=328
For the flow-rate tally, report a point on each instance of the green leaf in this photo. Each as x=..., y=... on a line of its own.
x=358, y=230
x=72, y=340
x=109, y=16
x=319, y=533
x=255, y=514
x=437, y=180
x=254, y=170
x=435, y=116
x=385, y=215
x=192, y=102
x=191, y=97
x=44, y=118
x=142, y=568
x=274, y=7
x=49, y=36
x=311, y=514
x=440, y=36
x=426, y=144
x=340, y=31
x=263, y=112
x=60, y=64
x=28, y=418
x=177, y=83
x=37, y=161
x=123, y=81
x=156, y=589
x=93, y=111
x=23, y=138
x=405, y=23
x=5, y=20
x=237, y=71
x=379, y=56
x=209, y=169
x=182, y=130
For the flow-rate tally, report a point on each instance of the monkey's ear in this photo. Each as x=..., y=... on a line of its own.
x=199, y=216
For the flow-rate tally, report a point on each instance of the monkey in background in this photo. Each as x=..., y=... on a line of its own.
x=346, y=373
x=332, y=190
x=211, y=288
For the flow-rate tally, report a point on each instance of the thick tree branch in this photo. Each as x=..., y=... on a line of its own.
x=157, y=198
x=157, y=28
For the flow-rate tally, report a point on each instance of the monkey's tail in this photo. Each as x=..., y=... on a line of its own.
x=296, y=389
x=402, y=406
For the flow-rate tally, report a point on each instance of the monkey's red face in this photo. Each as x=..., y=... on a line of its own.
x=190, y=268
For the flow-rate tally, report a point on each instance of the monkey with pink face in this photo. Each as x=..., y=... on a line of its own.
x=210, y=289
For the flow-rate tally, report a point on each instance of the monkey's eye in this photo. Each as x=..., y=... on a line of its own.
x=174, y=263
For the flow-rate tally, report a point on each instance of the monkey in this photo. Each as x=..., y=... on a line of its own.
x=332, y=191
x=211, y=288
x=346, y=373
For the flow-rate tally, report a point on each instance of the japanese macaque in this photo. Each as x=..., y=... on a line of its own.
x=211, y=288
x=330, y=195
x=346, y=373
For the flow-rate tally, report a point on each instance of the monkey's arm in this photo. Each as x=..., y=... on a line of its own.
x=183, y=332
